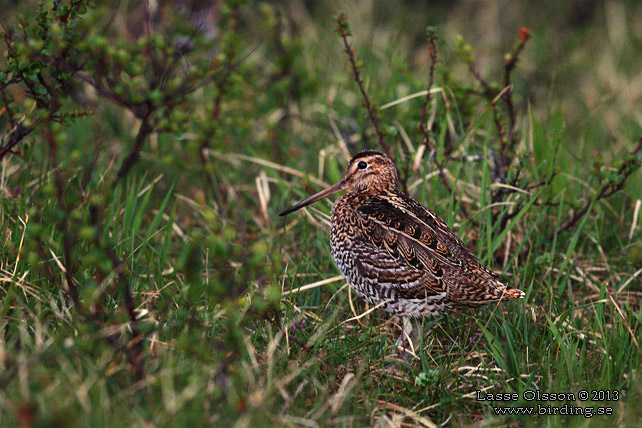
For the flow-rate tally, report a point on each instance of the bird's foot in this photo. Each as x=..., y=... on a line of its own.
x=406, y=342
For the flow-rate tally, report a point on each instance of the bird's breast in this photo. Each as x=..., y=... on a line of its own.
x=344, y=232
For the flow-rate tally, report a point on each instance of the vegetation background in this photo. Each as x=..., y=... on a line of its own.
x=147, y=147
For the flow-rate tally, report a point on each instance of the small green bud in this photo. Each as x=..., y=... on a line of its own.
x=32, y=258
x=155, y=97
x=76, y=215
x=100, y=41
x=123, y=56
x=87, y=233
x=48, y=189
x=97, y=199
x=273, y=294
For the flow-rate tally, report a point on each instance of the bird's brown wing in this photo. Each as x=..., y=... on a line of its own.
x=413, y=251
x=467, y=260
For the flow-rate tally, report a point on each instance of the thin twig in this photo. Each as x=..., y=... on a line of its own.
x=524, y=35
x=16, y=137
x=135, y=358
x=136, y=338
x=221, y=86
x=486, y=90
x=501, y=163
x=432, y=52
x=344, y=30
x=143, y=131
x=508, y=138
x=72, y=287
x=612, y=186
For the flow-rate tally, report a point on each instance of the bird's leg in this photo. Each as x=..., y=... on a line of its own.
x=405, y=335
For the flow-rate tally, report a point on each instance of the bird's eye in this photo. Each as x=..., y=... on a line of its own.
x=362, y=165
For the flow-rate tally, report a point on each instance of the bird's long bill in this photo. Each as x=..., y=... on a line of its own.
x=322, y=194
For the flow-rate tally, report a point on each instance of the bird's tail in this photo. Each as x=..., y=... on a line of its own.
x=512, y=293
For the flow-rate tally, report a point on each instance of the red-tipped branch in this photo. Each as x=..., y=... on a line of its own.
x=511, y=62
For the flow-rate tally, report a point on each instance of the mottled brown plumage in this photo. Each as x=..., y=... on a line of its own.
x=397, y=254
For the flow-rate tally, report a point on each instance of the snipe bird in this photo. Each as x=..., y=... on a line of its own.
x=397, y=254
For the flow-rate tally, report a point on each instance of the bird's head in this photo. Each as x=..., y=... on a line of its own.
x=369, y=172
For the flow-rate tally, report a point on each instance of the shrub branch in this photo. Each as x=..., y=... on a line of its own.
x=344, y=30
x=612, y=186
x=221, y=84
x=143, y=131
x=134, y=352
x=509, y=66
x=432, y=53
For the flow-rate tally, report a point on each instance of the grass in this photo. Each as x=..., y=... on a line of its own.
x=198, y=306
